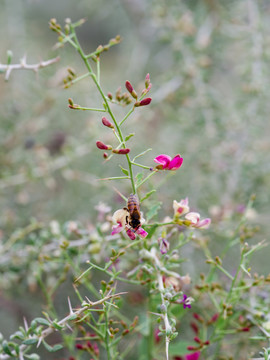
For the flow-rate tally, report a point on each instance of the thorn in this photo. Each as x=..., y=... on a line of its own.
x=89, y=301
x=25, y=324
x=39, y=341
x=70, y=307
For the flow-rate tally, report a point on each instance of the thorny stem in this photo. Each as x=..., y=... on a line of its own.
x=50, y=330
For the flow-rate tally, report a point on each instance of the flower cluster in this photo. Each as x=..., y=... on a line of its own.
x=192, y=219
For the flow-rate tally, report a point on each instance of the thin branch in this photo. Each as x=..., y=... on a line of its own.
x=8, y=68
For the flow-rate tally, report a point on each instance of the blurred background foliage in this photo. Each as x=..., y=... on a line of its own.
x=209, y=65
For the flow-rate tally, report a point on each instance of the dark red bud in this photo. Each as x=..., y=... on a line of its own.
x=207, y=342
x=195, y=328
x=121, y=151
x=131, y=90
x=191, y=348
x=79, y=346
x=143, y=102
x=129, y=87
x=244, y=329
x=214, y=318
x=197, y=340
x=110, y=96
x=105, y=155
x=125, y=332
x=107, y=123
x=103, y=146
x=198, y=317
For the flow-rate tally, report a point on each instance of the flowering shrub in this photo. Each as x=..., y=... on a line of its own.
x=139, y=259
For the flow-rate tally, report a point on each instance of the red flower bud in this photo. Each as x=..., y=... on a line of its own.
x=197, y=340
x=143, y=102
x=194, y=327
x=131, y=90
x=198, y=317
x=121, y=151
x=79, y=346
x=103, y=146
x=107, y=123
x=105, y=155
x=110, y=96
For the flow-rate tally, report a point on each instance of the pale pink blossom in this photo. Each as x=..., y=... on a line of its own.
x=194, y=218
x=167, y=163
x=180, y=208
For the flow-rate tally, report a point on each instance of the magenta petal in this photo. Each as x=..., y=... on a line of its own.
x=193, y=356
x=141, y=232
x=176, y=162
x=131, y=234
x=204, y=224
x=117, y=229
x=164, y=160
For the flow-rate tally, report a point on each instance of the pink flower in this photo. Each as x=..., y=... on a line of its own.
x=167, y=163
x=120, y=220
x=180, y=208
x=193, y=356
x=194, y=218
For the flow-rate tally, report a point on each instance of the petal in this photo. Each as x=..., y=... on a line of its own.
x=193, y=356
x=117, y=229
x=131, y=234
x=176, y=162
x=193, y=217
x=164, y=160
x=204, y=224
x=180, y=208
x=120, y=216
x=141, y=232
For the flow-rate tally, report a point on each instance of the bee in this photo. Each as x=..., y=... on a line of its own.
x=134, y=217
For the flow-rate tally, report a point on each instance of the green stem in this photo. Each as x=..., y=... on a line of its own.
x=94, y=78
x=140, y=165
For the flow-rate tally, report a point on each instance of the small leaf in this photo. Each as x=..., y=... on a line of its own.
x=153, y=211
x=30, y=341
x=52, y=348
x=42, y=321
x=139, y=178
x=124, y=171
x=32, y=356
x=6, y=348
x=148, y=194
x=57, y=326
x=73, y=317
x=17, y=335
x=129, y=136
x=151, y=230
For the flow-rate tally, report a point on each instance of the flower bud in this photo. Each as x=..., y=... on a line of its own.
x=105, y=155
x=121, y=151
x=107, y=123
x=147, y=80
x=110, y=96
x=131, y=90
x=103, y=146
x=143, y=102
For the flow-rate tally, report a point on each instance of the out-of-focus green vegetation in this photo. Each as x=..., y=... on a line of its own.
x=209, y=66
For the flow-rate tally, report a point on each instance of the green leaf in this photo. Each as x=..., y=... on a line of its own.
x=17, y=335
x=32, y=356
x=73, y=317
x=148, y=194
x=57, y=326
x=139, y=177
x=30, y=341
x=153, y=211
x=124, y=171
x=6, y=348
x=42, y=321
x=151, y=230
x=52, y=348
x=129, y=136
